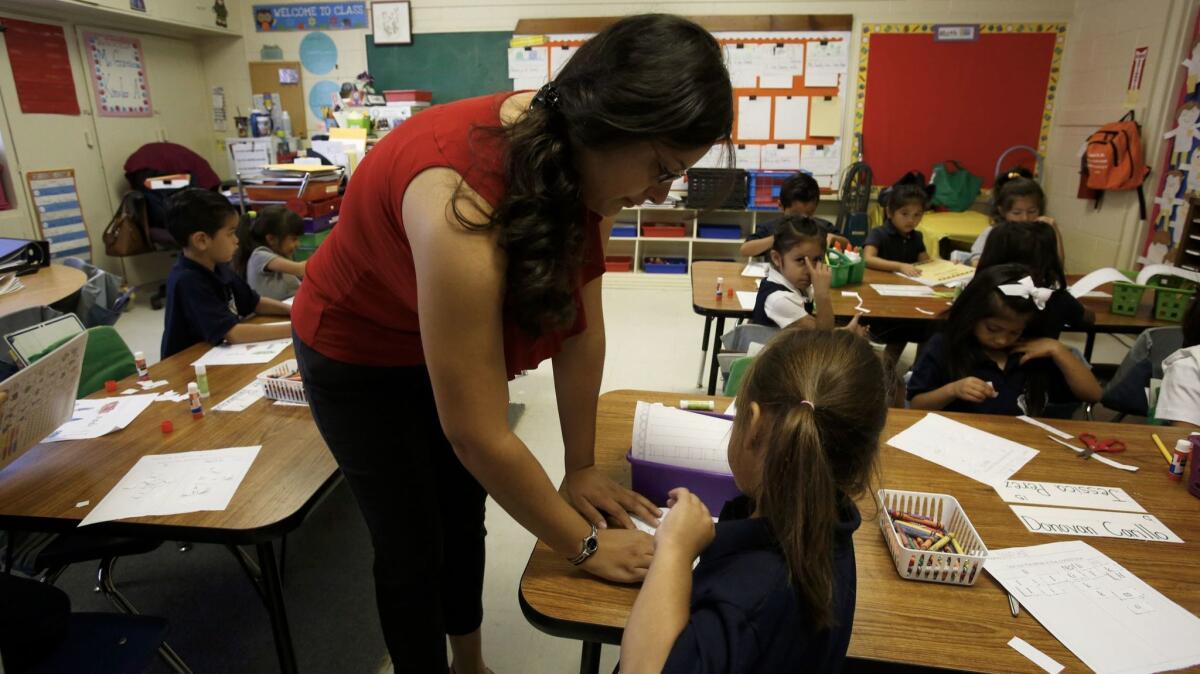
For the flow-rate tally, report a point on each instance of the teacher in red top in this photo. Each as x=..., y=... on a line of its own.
x=470, y=248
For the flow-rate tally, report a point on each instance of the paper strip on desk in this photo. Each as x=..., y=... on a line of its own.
x=756, y=270
x=1067, y=495
x=901, y=290
x=977, y=454
x=1039, y=658
x=1109, y=618
x=250, y=353
x=1047, y=427
x=247, y=396
x=747, y=298
x=1071, y=522
x=170, y=484
x=1096, y=279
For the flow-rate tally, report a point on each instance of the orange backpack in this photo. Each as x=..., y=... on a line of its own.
x=1113, y=160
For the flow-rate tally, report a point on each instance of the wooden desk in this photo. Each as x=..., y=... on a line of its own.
x=705, y=303
x=43, y=287
x=292, y=472
x=895, y=618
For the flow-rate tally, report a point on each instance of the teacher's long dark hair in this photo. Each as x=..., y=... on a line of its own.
x=653, y=77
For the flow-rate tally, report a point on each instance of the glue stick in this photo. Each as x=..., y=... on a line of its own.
x=1183, y=449
x=194, y=401
x=720, y=287
x=202, y=380
x=139, y=361
x=706, y=405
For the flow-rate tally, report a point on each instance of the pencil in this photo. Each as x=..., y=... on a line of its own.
x=1161, y=447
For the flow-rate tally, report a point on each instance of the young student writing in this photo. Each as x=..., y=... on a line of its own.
x=267, y=239
x=799, y=195
x=896, y=245
x=206, y=300
x=1035, y=244
x=775, y=587
x=1179, y=397
x=980, y=361
x=1018, y=198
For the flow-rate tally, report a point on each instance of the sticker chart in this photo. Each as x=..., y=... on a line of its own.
x=1109, y=618
x=977, y=454
x=678, y=438
x=40, y=398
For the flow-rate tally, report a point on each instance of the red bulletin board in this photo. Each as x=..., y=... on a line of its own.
x=921, y=102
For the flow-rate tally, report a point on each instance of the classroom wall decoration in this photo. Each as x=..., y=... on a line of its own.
x=392, y=22
x=118, y=72
x=1179, y=174
x=280, y=17
x=318, y=53
x=921, y=101
x=41, y=68
x=59, y=215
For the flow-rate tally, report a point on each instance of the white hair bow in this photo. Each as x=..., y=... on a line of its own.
x=1026, y=288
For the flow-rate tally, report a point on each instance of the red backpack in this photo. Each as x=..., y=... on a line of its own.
x=1113, y=160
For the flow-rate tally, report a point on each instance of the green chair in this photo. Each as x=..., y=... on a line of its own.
x=737, y=370
x=107, y=357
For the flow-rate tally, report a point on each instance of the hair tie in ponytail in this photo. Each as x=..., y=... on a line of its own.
x=547, y=97
x=810, y=405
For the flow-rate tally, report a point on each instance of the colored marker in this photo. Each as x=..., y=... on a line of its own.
x=1161, y=447
x=194, y=401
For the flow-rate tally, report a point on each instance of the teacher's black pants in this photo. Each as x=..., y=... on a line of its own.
x=424, y=510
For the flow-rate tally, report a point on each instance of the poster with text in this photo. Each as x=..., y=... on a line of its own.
x=279, y=17
x=118, y=72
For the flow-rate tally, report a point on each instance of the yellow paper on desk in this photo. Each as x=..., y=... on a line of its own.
x=340, y=133
x=939, y=272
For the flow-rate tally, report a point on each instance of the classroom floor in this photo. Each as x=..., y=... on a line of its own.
x=653, y=343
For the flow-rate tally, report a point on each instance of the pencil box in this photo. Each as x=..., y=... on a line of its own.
x=656, y=480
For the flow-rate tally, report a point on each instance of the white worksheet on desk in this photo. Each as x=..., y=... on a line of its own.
x=977, y=454
x=249, y=353
x=1109, y=618
x=680, y=438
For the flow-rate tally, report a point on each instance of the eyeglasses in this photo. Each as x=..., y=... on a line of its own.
x=667, y=176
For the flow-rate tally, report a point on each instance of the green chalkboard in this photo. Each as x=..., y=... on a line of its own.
x=451, y=65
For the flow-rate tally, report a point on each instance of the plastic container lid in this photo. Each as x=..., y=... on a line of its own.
x=139, y=355
x=1183, y=446
x=193, y=387
x=201, y=369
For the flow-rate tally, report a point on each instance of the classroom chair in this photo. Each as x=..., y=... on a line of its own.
x=1125, y=392
x=101, y=299
x=736, y=343
x=106, y=357
x=737, y=372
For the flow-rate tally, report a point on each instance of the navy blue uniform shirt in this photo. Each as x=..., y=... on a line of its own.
x=932, y=371
x=1062, y=311
x=203, y=305
x=768, y=228
x=894, y=246
x=745, y=617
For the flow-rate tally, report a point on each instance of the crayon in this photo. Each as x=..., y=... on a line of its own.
x=940, y=544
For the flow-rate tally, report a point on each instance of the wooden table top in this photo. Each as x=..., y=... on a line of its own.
x=705, y=302
x=46, y=286
x=895, y=618
x=40, y=489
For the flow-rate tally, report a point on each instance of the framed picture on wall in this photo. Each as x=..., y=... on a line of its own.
x=392, y=22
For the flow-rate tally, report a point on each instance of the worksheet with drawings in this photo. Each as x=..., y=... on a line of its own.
x=41, y=398
x=679, y=438
x=1109, y=618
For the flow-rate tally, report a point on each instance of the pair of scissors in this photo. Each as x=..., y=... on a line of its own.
x=1096, y=445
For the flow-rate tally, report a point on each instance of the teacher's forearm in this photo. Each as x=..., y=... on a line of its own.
x=512, y=476
x=578, y=369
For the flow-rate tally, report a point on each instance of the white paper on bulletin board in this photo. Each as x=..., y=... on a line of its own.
x=822, y=160
x=754, y=118
x=558, y=58
x=779, y=63
x=742, y=62
x=527, y=63
x=781, y=157
x=118, y=71
x=825, y=62
x=791, y=118
x=748, y=157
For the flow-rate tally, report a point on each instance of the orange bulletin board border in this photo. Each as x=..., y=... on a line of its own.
x=1057, y=29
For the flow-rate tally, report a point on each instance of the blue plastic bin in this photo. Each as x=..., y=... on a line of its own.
x=727, y=232
x=624, y=231
x=664, y=265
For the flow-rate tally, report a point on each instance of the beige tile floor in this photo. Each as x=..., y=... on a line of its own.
x=653, y=343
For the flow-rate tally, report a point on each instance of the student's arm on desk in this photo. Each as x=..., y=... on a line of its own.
x=756, y=247
x=258, y=332
x=287, y=266
x=467, y=370
x=269, y=307
x=873, y=261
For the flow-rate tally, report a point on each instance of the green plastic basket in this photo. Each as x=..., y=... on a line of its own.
x=844, y=271
x=857, y=270
x=1171, y=297
x=1170, y=304
x=1126, y=298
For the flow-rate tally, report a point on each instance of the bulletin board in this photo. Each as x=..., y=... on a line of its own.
x=118, y=74
x=921, y=101
x=787, y=86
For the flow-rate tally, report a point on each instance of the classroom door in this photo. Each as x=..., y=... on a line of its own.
x=265, y=79
x=42, y=142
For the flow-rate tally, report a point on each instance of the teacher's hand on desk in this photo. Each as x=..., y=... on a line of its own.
x=593, y=494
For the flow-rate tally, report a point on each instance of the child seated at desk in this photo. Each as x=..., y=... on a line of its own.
x=1036, y=245
x=206, y=300
x=1018, y=198
x=267, y=239
x=981, y=362
x=776, y=584
x=797, y=280
x=1179, y=397
x=799, y=195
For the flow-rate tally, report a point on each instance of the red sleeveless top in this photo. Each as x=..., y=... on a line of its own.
x=358, y=302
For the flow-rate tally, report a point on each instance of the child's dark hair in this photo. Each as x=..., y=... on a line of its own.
x=814, y=455
x=1033, y=244
x=654, y=78
x=911, y=189
x=1017, y=183
x=796, y=229
x=801, y=188
x=1191, y=323
x=196, y=210
x=256, y=226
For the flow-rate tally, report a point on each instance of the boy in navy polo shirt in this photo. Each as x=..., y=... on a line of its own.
x=206, y=300
x=799, y=195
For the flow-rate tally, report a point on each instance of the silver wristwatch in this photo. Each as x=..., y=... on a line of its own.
x=587, y=548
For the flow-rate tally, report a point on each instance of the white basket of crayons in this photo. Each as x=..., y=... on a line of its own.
x=930, y=537
x=282, y=382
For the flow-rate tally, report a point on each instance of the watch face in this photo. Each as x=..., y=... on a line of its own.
x=592, y=544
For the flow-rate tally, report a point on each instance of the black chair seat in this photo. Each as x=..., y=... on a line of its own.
x=75, y=547
x=104, y=643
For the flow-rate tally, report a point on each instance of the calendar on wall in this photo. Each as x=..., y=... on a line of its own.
x=118, y=72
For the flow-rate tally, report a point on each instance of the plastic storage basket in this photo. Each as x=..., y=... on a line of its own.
x=1171, y=297
x=938, y=567
x=277, y=387
x=764, y=189
x=716, y=188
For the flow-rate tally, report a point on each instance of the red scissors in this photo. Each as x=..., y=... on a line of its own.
x=1095, y=445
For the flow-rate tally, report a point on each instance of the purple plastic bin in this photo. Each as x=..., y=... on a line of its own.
x=656, y=480
x=1194, y=476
